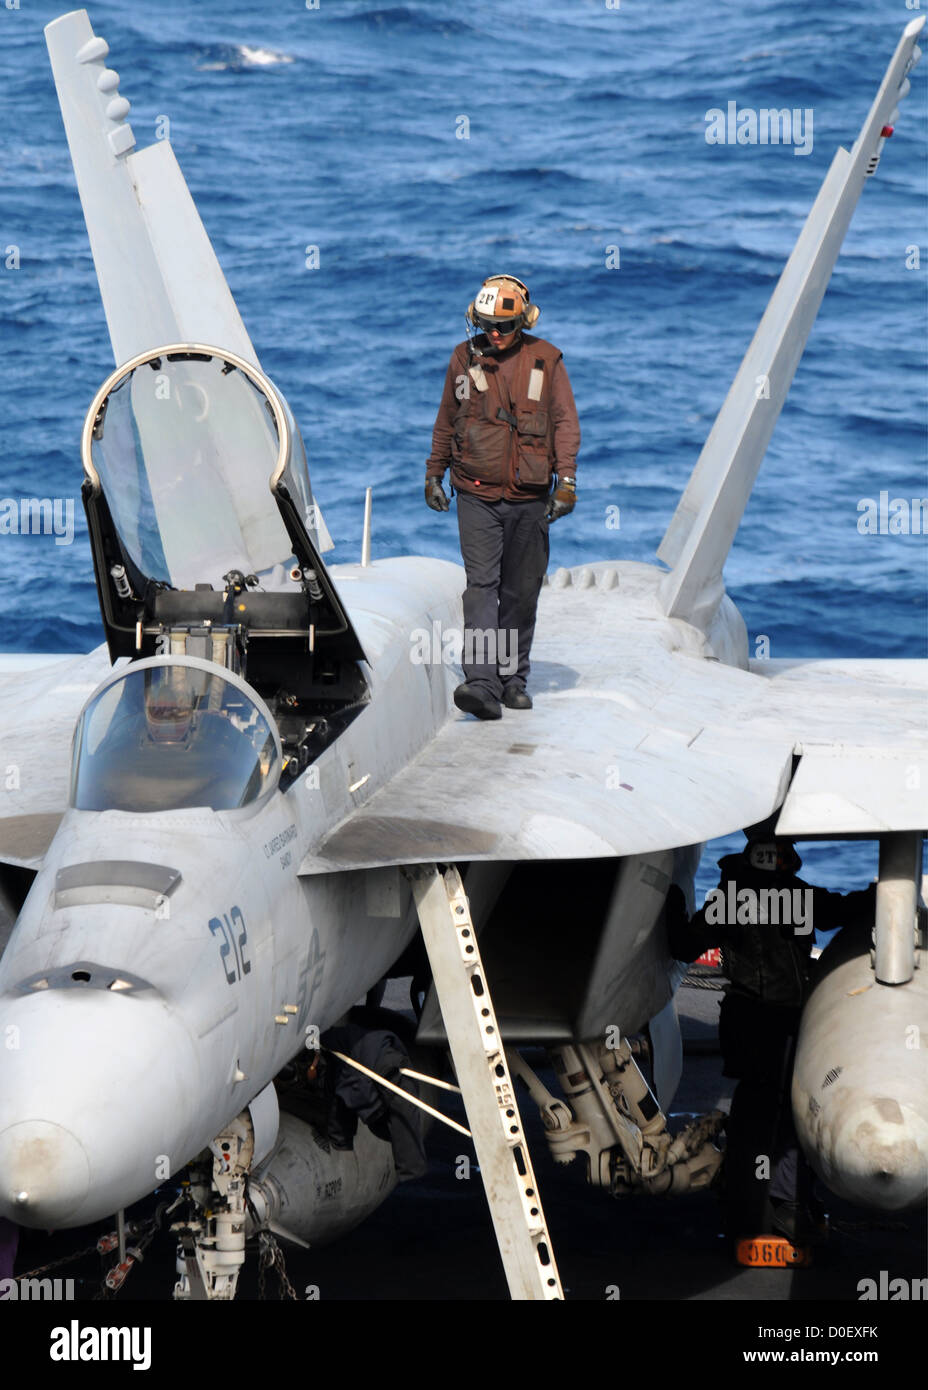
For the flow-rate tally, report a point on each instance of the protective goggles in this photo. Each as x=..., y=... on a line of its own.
x=501, y=326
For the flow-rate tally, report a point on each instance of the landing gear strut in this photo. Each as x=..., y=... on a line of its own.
x=611, y=1116
x=211, y=1246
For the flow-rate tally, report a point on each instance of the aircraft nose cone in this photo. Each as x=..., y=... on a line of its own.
x=44, y=1173
x=881, y=1148
x=102, y=1098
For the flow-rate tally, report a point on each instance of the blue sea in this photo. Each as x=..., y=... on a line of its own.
x=424, y=146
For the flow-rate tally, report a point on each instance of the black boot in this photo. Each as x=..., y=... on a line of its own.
x=474, y=700
x=516, y=697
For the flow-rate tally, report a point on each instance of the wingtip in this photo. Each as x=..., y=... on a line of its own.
x=65, y=20
x=73, y=47
x=914, y=27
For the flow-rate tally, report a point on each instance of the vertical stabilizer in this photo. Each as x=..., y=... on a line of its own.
x=160, y=280
x=159, y=277
x=703, y=527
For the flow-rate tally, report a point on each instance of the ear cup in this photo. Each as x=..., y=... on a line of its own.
x=530, y=317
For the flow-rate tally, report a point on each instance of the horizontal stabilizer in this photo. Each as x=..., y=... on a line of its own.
x=703, y=527
x=638, y=746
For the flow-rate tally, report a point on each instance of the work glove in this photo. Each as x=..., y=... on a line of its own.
x=562, y=500
x=435, y=495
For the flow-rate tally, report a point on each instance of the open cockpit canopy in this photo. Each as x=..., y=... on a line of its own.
x=197, y=493
x=188, y=445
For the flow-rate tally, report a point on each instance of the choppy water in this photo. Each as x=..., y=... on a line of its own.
x=338, y=127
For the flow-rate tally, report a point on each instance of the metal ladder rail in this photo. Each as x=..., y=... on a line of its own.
x=485, y=1082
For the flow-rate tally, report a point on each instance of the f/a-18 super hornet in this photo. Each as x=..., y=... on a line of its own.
x=232, y=821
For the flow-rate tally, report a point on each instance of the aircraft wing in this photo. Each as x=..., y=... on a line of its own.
x=638, y=743
x=867, y=773
x=40, y=699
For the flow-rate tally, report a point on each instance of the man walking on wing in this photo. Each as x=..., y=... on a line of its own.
x=507, y=426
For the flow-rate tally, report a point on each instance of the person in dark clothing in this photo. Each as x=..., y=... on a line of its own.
x=763, y=916
x=507, y=426
x=352, y=1096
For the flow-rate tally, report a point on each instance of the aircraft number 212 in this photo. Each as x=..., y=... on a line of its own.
x=232, y=945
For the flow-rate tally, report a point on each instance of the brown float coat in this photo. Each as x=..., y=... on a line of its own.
x=506, y=421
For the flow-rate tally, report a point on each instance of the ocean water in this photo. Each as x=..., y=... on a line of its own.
x=424, y=146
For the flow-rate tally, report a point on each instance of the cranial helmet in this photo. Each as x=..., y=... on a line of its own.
x=771, y=853
x=503, y=299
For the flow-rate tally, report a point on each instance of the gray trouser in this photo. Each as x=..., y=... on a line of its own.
x=504, y=546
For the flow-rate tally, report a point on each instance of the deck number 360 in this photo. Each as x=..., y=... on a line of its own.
x=233, y=940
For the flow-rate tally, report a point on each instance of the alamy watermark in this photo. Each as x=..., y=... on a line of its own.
x=768, y=126
x=895, y=516
x=475, y=646
x=91, y=1343
x=38, y=516
x=893, y=1290
x=36, y=1290
x=749, y=907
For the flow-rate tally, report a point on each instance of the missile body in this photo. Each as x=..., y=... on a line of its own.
x=312, y=1190
x=860, y=1083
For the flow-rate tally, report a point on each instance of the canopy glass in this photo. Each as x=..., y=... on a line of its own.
x=184, y=446
x=171, y=736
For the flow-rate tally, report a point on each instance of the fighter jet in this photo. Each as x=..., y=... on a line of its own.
x=228, y=824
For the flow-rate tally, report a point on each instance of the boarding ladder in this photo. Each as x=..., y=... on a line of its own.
x=486, y=1085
